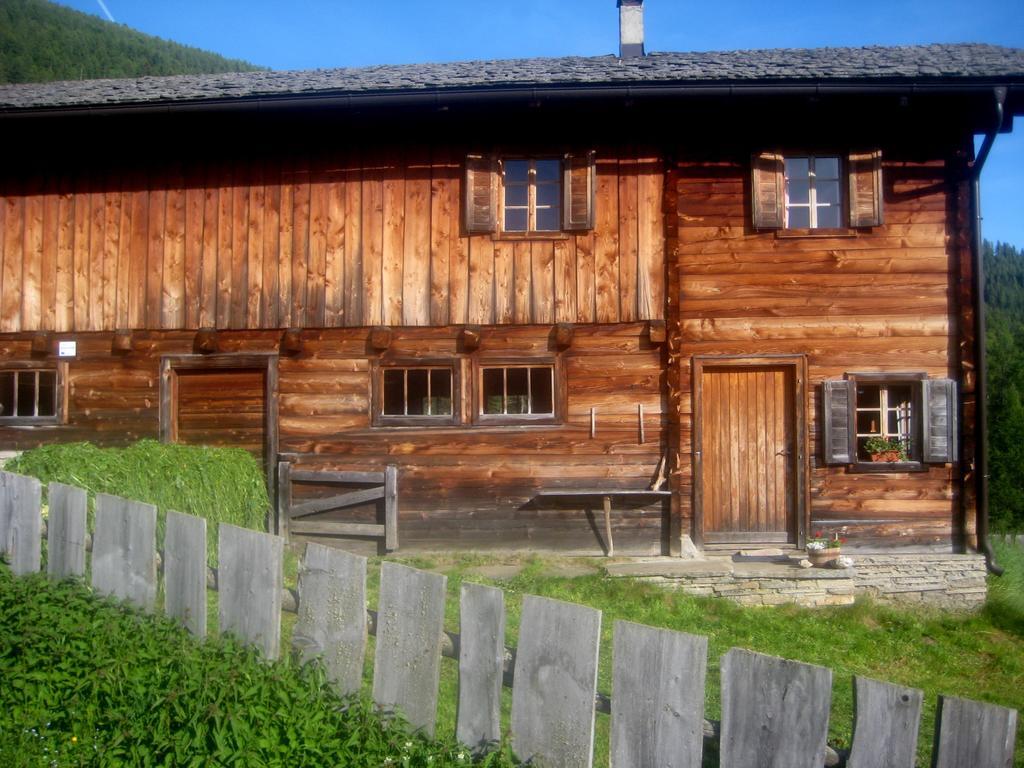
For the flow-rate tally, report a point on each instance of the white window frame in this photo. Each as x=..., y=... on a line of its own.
x=532, y=206
x=812, y=203
x=530, y=413
x=19, y=369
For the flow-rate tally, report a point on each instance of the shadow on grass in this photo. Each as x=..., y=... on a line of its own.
x=1005, y=605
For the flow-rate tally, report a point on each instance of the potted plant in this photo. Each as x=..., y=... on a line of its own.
x=822, y=551
x=886, y=449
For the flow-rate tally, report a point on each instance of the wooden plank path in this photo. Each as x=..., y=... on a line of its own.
x=775, y=712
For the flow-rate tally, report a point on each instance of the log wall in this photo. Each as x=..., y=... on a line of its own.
x=469, y=485
x=881, y=299
x=315, y=241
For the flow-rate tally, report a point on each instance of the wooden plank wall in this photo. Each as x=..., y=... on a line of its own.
x=877, y=300
x=470, y=486
x=318, y=242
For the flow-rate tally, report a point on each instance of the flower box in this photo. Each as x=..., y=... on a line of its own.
x=823, y=558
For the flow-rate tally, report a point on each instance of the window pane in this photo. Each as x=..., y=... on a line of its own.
x=515, y=219
x=868, y=396
x=47, y=393
x=440, y=392
x=517, y=396
x=7, y=394
x=540, y=386
x=797, y=168
x=493, y=386
x=516, y=170
x=548, y=194
x=26, y=393
x=868, y=422
x=548, y=170
x=827, y=192
x=826, y=167
x=798, y=217
x=899, y=395
x=549, y=219
x=828, y=216
x=394, y=393
x=516, y=194
x=416, y=392
x=798, y=191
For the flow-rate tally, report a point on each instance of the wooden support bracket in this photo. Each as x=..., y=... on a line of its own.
x=469, y=338
x=657, y=331
x=563, y=334
x=205, y=342
x=121, y=343
x=381, y=337
x=291, y=342
x=41, y=343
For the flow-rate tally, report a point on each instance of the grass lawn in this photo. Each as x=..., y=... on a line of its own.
x=978, y=656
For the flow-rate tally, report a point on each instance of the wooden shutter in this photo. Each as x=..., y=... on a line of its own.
x=480, y=194
x=578, y=192
x=837, y=440
x=767, y=190
x=865, y=172
x=939, y=442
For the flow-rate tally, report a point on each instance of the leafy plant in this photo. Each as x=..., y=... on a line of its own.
x=874, y=445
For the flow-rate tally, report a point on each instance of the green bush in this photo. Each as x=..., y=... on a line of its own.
x=89, y=682
x=223, y=485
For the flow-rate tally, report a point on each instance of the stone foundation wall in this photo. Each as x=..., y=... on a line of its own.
x=948, y=581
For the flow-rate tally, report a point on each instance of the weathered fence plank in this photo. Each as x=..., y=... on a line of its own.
x=185, y=571
x=973, y=733
x=407, y=663
x=249, y=582
x=481, y=660
x=22, y=497
x=124, y=550
x=66, y=531
x=774, y=711
x=886, y=722
x=555, y=682
x=332, y=614
x=658, y=681
x=5, y=511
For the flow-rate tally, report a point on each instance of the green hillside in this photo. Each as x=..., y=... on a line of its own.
x=42, y=41
x=1004, y=298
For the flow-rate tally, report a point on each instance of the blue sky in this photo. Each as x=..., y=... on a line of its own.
x=306, y=34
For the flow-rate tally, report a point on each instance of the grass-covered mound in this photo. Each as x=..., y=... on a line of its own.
x=223, y=485
x=88, y=682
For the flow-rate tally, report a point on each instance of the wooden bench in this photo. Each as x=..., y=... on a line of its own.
x=606, y=495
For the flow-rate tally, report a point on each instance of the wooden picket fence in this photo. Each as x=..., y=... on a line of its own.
x=775, y=712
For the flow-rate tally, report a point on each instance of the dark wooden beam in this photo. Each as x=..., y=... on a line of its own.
x=122, y=341
x=657, y=332
x=291, y=342
x=205, y=342
x=563, y=334
x=42, y=341
x=469, y=338
x=381, y=337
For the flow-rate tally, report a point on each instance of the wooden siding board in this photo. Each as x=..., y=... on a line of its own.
x=270, y=298
x=137, y=261
x=301, y=192
x=393, y=241
x=606, y=242
x=416, y=241
x=173, y=293
x=286, y=245
x=458, y=256
x=225, y=244
x=565, y=280
x=239, y=247
x=154, y=258
x=481, y=279
x=32, y=256
x=442, y=219
x=373, y=243
x=254, y=317
x=353, y=308
x=194, y=231
x=316, y=271
x=14, y=246
x=504, y=282
x=522, y=309
x=64, y=299
x=335, y=260
x=585, y=278
x=542, y=260
x=208, y=286
x=48, y=258
x=628, y=239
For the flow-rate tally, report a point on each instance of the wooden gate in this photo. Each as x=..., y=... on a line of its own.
x=306, y=515
x=749, y=450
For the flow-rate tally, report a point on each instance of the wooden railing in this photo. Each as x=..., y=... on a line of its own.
x=774, y=711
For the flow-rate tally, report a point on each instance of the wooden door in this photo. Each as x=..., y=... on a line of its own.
x=747, y=453
x=222, y=407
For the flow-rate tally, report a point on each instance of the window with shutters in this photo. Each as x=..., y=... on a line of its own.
x=30, y=394
x=803, y=193
x=421, y=393
x=889, y=422
x=522, y=197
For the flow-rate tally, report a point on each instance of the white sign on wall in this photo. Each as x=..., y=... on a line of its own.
x=67, y=348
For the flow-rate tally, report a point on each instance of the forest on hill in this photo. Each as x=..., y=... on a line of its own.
x=1004, y=299
x=41, y=41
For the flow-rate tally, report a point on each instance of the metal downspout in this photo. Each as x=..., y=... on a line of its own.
x=981, y=383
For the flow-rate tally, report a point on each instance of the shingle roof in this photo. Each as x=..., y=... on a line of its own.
x=874, y=64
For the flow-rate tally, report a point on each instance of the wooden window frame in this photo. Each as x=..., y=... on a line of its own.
x=380, y=419
x=558, y=391
x=531, y=232
x=60, y=393
x=916, y=380
x=812, y=205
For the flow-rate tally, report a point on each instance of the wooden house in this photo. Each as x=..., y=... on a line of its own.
x=690, y=286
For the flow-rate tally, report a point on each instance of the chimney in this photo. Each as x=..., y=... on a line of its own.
x=631, y=28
